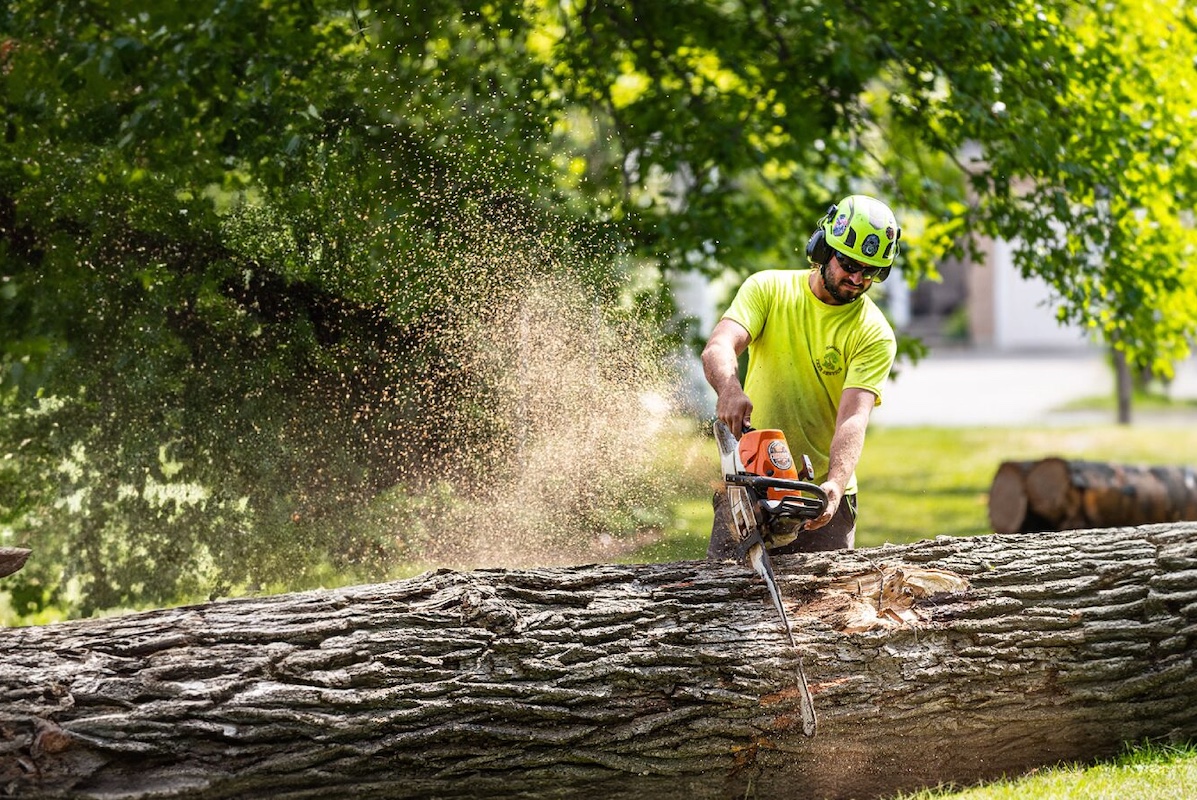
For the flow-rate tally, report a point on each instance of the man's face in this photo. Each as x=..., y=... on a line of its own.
x=844, y=287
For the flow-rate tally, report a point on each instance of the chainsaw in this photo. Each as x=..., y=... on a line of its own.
x=766, y=492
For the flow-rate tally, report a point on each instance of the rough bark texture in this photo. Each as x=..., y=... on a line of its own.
x=12, y=559
x=1058, y=494
x=663, y=681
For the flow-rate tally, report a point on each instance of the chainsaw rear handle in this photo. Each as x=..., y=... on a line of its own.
x=792, y=506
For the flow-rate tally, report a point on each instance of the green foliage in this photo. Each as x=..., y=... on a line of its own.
x=242, y=244
x=1090, y=167
x=239, y=242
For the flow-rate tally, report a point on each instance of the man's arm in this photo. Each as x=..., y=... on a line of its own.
x=856, y=405
x=721, y=367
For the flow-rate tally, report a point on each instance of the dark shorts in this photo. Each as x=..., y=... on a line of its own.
x=839, y=534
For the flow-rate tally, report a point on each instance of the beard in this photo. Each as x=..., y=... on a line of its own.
x=842, y=292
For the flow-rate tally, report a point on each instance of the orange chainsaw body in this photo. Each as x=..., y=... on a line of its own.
x=766, y=453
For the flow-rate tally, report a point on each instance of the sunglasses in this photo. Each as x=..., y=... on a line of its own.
x=851, y=266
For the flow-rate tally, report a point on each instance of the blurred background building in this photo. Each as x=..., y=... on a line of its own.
x=986, y=305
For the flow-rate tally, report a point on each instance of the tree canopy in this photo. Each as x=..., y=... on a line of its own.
x=273, y=273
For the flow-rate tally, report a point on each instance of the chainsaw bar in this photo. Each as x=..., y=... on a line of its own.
x=746, y=517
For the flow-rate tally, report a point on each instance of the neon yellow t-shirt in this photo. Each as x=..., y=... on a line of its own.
x=802, y=356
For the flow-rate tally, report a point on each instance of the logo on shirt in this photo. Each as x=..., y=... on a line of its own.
x=832, y=362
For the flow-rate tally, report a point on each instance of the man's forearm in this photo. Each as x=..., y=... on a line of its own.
x=847, y=443
x=720, y=366
x=846, y=446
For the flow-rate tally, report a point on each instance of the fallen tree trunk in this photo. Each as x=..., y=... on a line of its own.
x=1059, y=494
x=660, y=680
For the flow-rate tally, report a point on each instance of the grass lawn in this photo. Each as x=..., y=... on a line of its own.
x=1147, y=773
x=918, y=483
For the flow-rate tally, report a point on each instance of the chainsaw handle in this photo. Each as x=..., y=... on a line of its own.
x=785, y=484
x=807, y=507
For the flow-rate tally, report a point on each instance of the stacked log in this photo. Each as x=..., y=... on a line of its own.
x=1062, y=494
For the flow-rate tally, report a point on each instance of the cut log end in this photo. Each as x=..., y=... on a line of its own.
x=1008, y=497
x=1059, y=494
x=1050, y=490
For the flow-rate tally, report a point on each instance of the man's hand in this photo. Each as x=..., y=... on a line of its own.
x=835, y=493
x=727, y=341
x=734, y=408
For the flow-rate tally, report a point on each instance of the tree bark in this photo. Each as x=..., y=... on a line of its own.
x=1126, y=385
x=624, y=681
x=12, y=559
x=1058, y=494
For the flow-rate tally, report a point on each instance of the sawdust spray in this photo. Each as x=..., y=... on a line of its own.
x=552, y=395
x=577, y=405
x=390, y=354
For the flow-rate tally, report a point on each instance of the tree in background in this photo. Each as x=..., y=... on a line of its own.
x=242, y=244
x=265, y=268
x=1062, y=127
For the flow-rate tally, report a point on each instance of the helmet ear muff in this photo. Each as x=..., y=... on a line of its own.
x=817, y=249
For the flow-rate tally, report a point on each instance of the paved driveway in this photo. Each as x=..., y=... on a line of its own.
x=963, y=388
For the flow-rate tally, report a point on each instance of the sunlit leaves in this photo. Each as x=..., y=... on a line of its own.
x=1115, y=190
x=252, y=231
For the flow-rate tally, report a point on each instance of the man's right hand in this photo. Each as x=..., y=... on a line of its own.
x=734, y=409
x=719, y=365
x=835, y=493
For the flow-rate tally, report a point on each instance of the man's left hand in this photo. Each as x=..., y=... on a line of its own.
x=835, y=493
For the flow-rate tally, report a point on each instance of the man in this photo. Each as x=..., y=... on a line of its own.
x=819, y=352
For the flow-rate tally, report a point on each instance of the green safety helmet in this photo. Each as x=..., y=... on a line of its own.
x=862, y=228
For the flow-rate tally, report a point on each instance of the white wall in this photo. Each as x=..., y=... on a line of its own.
x=1024, y=313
